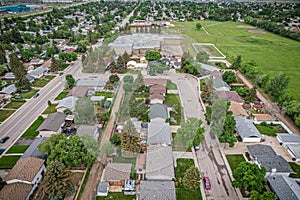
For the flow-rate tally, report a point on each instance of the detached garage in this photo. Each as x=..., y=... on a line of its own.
x=247, y=131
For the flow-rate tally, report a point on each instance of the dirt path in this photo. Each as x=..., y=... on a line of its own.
x=272, y=107
x=97, y=168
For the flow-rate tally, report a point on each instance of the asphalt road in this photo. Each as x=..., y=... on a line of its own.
x=19, y=121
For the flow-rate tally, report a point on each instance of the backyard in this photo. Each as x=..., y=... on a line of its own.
x=281, y=53
x=31, y=131
x=117, y=195
x=105, y=94
x=171, y=85
x=177, y=109
x=296, y=169
x=234, y=160
x=270, y=129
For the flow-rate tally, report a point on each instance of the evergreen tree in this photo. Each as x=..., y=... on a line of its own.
x=130, y=140
x=191, y=179
x=2, y=55
x=19, y=71
x=54, y=65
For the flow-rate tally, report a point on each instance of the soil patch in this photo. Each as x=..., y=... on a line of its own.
x=257, y=31
x=245, y=27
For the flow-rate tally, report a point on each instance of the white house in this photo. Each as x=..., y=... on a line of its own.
x=247, y=131
x=23, y=179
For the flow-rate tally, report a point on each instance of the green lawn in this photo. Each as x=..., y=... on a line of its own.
x=296, y=169
x=106, y=94
x=61, y=95
x=5, y=114
x=8, y=162
x=43, y=81
x=265, y=130
x=234, y=160
x=62, y=67
x=132, y=71
x=270, y=51
x=182, y=194
x=17, y=149
x=28, y=95
x=31, y=131
x=15, y=104
x=50, y=109
x=117, y=195
x=171, y=85
x=176, y=114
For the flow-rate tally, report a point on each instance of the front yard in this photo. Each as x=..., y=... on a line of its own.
x=15, y=104
x=5, y=114
x=270, y=129
x=8, y=162
x=17, y=149
x=31, y=131
x=234, y=160
x=43, y=81
x=28, y=95
x=50, y=109
x=61, y=95
x=171, y=85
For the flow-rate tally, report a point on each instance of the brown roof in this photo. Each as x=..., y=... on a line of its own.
x=155, y=81
x=237, y=109
x=117, y=171
x=15, y=191
x=158, y=89
x=156, y=96
x=264, y=117
x=230, y=96
x=78, y=91
x=25, y=169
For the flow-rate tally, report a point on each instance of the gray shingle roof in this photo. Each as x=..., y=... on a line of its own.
x=285, y=188
x=53, y=122
x=159, y=132
x=267, y=158
x=9, y=89
x=102, y=187
x=38, y=71
x=246, y=128
x=295, y=149
x=33, y=150
x=117, y=171
x=158, y=111
x=159, y=163
x=90, y=83
x=219, y=83
x=288, y=138
x=67, y=102
x=162, y=190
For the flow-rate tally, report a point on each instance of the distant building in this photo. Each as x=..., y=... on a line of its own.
x=15, y=8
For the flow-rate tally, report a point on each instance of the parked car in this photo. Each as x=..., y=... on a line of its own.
x=36, y=95
x=207, y=183
x=61, y=73
x=4, y=139
x=1, y=150
x=196, y=148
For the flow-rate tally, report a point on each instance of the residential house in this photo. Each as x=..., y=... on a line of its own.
x=265, y=156
x=247, y=131
x=23, y=179
x=159, y=132
x=162, y=190
x=93, y=84
x=158, y=111
x=220, y=85
x=38, y=72
x=36, y=62
x=155, y=81
x=230, y=96
x=66, y=103
x=9, y=90
x=159, y=163
x=156, y=98
x=263, y=118
x=33, y=150
x=294, y=151
x=131, y=65
x=92, y=131
x=216, y=74
x=78, y=91
x=292, y=143
x=117, y=173
x=285, y=188
x=161, y=89
x=102, y=189
x=237, y=109
x=135, y=121
x=52, y=125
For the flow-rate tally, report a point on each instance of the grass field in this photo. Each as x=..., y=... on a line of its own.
x=17, y=149
x=50, y=109
x=117, y=195
x=5, y=114
x=106, y=94
x=61, y=95
x=8, y=162
x=31, y=131
x=271, y=52
x=234, y=160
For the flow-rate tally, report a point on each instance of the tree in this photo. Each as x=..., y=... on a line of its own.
x=2, y=55
x=54, y=65
x=82, y=46
x=70, y=81
x=84, y=111
x=67, y=56
x=191, y=179
x=198, y=26
x=190, y=132
x=51, y=51
x=229, y=77
x=227, y=134
x=158, y=68
x=130, y=140
x=3, y=69
x=202, y=56
x=152, y=55
x=57, y=181
x=219, y=111
x=128, y=79
x=254, y=195
x=114, y=78
x=115, y=139
x=249, y=176
x=277, y=86
x=208, y=94
x=126, y=57
x=19, y=71
x=27, y=54
x=237, y=62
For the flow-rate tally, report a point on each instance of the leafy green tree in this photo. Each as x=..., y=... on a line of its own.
x=57, y=181
x=152, y=55
x=208, y=94
x=249, y=176
x=229, y=77
x=125, y=57
x=2, y=55
x=254, y=195
x=237, y=62
x=82, y=46
x=115, y=139
x=70, y=81
x=208, y=115
x=277, y=86
x=191, y=179
x=67, y=56
x=107, y=148
x=293, y=110
x=218, y=115
x=202, y=56
x=128, y=79
x=114, y=78
x=190, y=132
x=228, y=130
x=158, y=68
x=3, y=69
x=50, y=51
x=198, y=26
x=19, y=71
x=54, y=65
x=84, y=111
x=27, y=54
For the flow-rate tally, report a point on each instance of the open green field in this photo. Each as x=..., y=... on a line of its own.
x=271, y=52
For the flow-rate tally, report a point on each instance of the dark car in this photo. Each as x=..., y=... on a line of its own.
x=1, y=150
x=36, y=95
x=207, y=183
x=4, y=139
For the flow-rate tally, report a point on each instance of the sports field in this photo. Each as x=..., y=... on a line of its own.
x=271, y=52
